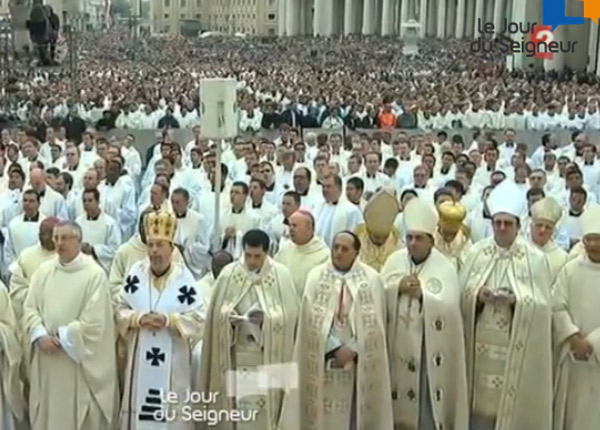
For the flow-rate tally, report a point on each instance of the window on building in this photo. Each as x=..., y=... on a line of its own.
x=182, y=16
x=271, y=16
x=198, y=16
x=167, y=28
x=271, y=31
x=183, y=3
x=166, y=16
x=167, y=3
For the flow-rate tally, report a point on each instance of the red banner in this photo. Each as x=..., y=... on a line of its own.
x=542, y=33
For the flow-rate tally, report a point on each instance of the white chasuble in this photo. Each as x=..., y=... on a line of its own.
x=509, y=358
x=577, y=382
x=159, y=362
x=233, y=343
x=425, y=342
x=340, y=309
x=556, y=256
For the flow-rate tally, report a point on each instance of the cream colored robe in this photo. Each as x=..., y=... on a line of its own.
x=228, y=347
x=525, y=376
x=76, y=387
x=184, y=326
x=374, y=255
x=576, y=251
x=577, y=384
x=454, y=250
x=556, y=256
x=331, y=398
x=12, y=402
x=426, y=340
x=301, y=259
x=22, y=271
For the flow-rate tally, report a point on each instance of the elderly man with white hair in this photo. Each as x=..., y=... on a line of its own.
x=52, y=204
x=505, y=282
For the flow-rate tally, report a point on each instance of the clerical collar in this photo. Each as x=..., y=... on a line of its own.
x=212, y=188
x=42, y=193
x=405, y=158
x=237, y=211
x=371, y=176
x=420, y=261
x=93, y=218
x=286, y=221
x=256, y=205
x=271, y=187
x=490, y=168
x=486, y=215
x=34, y=218
x=420, y=187
x=111, y=183
x=509, y=145
x=589, y=163
x=181, y=216
x=73, y=168
x=573, y=214
x=334, y=203
x=444, y=170
x=159, y=280
x=303, y=194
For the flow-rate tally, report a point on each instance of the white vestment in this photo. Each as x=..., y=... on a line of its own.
x=104, y=235
x=331, y=219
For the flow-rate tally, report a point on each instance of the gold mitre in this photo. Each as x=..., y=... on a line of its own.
x=381, y=211
x=547, y=209
x=160, y=226
x=452, y=214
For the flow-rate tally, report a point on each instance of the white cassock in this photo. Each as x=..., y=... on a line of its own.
x=375, y=182
x=104, y=235
x=21, y=234
x=242, y=222
x=571, y=225
x=133, y=161
x=279, y=230
x=193, y=235
x=10, y=206
x=119, y=202
x=205, y=204
x=577, y=385
x=480, y=226
x=52, y=204
x=266, y=211
x=159, y=361
x=331, y=219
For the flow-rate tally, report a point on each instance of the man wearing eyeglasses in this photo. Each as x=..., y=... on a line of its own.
x=507, y=315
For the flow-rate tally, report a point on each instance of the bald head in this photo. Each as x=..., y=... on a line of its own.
x=37, y=177
x=302, y=227
x=45, y=233
x=219, y=261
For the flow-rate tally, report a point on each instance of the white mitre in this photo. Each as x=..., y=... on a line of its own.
x=547, y=209
x=420, y=216
x=507, y=198
x=590, y=220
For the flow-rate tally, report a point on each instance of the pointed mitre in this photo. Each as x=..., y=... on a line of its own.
x=452, y=214
x=507, y=198
x=590, y=220
x=381, y=211
x=420, y=216
x=160, y=226
x=547, y=209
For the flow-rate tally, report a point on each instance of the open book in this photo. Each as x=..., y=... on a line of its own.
x=251, y=321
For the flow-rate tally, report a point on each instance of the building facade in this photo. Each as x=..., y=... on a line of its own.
x=168, y=16
x=252, y=17
x=443, y=18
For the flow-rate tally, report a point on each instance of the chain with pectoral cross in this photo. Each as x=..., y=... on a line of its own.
x=415, y=271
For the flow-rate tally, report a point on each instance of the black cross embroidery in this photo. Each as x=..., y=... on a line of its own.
x=131, y=284
x=155, y=356
x=187, y=295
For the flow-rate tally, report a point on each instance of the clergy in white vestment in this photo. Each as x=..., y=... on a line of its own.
x=12, y=401
x=117, y=198
x=310, y=193
x=193, y=233
x=68, y=319
x=258, y=202
x=545, y=215
x=340, y=350
x=378, y=237
x=101, y=234
x=479, y=220
x=304, y=251
x=506, y=310
x=23, y=230
x=91, y=179
x=577, y=334
x=425, y=330
x=279, y=226
x=158, y=314
x=28, y=261
x=335, y=214
x=249, y=330
x=237, y=219
x=52, y=204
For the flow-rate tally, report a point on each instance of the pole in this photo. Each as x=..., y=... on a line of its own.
x=218, y=180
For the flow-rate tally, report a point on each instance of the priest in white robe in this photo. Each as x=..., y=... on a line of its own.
x=12, y=402
x=158, y=315
x=68, y=319
x=118, y=198
x=52, y=204
x=340, y=350
x=304, y=251
x=193, y=233
x=545, y=216
x=425, y=330
x=250, y=328
x=577, y=334
x=335, y=214
x=507, y=315
x=101, y=234
x=23, y=230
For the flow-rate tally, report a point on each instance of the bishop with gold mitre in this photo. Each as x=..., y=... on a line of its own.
x=378, y=236
x=452, y=237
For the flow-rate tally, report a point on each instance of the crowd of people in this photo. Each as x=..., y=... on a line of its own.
x=370, y=281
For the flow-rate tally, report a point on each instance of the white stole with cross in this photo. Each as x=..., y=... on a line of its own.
x=155, y=348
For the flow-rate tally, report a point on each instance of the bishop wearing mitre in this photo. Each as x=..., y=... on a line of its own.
x=425, y=331
x=577, y=333
x=545, y=216
x=451, y=237
x=506, y=308
x=68, y=319
x=158, y=316
x=340, y=350
x=378, y=236
x=12, y=402
x=250, y=327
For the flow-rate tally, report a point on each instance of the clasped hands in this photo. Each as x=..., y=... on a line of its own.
x=411, y=286
x=580, y=347
x=153, y=321
x=502, y=296
x=48, y=344
x=345, y=357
